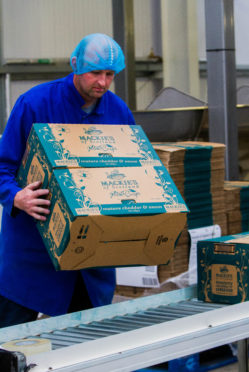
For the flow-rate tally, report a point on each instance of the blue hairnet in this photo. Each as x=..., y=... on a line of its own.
x=97, y=52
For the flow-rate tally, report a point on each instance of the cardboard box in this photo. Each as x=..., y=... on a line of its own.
x=237, y=205
x=112, y=217
x=53, y=146
x=198, y=170
x=223, y=269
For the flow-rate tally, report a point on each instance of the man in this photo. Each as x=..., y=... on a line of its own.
x=29, y=283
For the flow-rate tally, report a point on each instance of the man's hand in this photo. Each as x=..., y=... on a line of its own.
x=31, y=200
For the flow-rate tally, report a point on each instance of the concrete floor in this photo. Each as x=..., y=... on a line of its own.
x=230, y=368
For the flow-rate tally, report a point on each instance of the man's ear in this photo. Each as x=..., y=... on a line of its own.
x=74, y=62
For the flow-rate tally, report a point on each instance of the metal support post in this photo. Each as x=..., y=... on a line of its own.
x=123, y=33
x=3, y=116
x=2, y=80
x=243, y=355
x=220, y=46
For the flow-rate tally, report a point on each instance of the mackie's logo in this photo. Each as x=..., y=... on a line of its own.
x=115, y=175
x=93, y=130
x=224, y=269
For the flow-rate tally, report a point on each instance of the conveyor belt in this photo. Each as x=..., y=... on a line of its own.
x=134, y=334
x=128, y=322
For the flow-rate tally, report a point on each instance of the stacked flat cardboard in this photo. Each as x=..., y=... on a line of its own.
x=223, y=269
x=198, y=171
x=179, y=261
x=237, y=204
x=124, y=292
x=113, y=203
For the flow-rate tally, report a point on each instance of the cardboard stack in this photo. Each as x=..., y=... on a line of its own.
x=198, y=171
x=237, y=204
x=223, y=269
x=179, y=261
x=113, y=203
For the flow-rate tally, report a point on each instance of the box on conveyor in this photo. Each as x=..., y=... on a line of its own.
x=52, y=146
x=223, y=269
x=112, y=217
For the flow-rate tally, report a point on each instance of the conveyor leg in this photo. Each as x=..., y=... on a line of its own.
x=243, y=355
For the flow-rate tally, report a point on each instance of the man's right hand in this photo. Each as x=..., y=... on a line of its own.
x=31, y=200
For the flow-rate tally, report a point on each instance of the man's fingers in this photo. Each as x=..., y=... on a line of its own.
x=32, y=200
x=39, y=217
x=35, y=185
x=42, y=202
x=40, y=192
x=41, y=210
x=39, y=213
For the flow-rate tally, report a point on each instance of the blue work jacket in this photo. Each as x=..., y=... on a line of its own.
x=27, y=275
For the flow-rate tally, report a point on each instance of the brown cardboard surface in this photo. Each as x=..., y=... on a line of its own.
x=90, y=226
x=121, y=241
x=78, y=239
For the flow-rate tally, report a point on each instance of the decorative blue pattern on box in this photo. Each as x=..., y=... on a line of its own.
x=84, y=145
x=223, y=269
x=121, y=191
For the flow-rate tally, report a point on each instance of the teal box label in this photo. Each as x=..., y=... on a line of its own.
x=53, y=146
x=119, y=191
x=223, y=269
x=85, y=145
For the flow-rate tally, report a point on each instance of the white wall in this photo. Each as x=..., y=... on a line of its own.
x=241, y=29
x=34, y=29
x=49, y=28
x=52, y=28
x=180, y=45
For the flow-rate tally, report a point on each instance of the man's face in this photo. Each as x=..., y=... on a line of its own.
x=92, y=85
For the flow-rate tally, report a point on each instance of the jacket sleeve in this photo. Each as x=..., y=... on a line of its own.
x=131, y=118
x=12, y=147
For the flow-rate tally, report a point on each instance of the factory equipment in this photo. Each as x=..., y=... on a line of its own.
x=176, y=116
x=172, y=116
x=172, y=98
x=133, y=334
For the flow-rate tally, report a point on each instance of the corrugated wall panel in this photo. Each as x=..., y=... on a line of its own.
x=50, y=28
x=147, y=27
x=35, y=29
x=147, y=16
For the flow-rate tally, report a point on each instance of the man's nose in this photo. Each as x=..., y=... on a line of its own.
x=102, y=79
